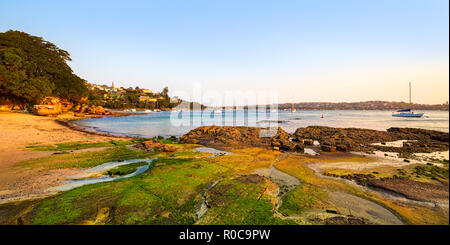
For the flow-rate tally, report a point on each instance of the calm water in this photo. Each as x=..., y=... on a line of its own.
x=178, y=123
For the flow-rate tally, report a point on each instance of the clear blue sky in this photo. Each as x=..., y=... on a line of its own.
x=306, y=50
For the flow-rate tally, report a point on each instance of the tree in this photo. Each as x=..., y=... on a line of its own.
x=32, y=68
x=165, y=92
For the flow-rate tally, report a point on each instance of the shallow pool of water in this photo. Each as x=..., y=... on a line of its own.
x=311, y=152
x=82, y=178
x=352, y=205
x=215, y=152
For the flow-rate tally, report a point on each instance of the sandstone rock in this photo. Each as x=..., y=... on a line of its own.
x=83, y=108
x=356, y=139
x=341, y=147
x=98, y=110
x=225, y=136
x=169, y=148
x=155, y=146
x=6, y=107
x=283, y=142
x=412, y=189
x=328, y=148
x=48, y=107
x=216, y=136
x=66, y=105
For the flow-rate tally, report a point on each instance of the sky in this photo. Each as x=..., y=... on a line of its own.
x=322, y=51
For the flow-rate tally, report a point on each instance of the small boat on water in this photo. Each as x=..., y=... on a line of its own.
x=148, y=110
x=217, y=111
x=293, y=110
x=407, y=112
x=133, y=110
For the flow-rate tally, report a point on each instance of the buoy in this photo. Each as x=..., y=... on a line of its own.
x=322, y=116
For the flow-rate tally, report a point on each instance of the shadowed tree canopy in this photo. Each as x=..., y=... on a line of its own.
x=31, y=68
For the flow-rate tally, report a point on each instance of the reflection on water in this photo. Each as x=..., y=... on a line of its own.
x=168, y=123
x=215, y=152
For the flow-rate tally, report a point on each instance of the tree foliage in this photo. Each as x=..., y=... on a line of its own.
x=31, y=68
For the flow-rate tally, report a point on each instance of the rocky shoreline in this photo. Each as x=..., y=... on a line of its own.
x=330, y=139
x=288, y=150
x=357, y=139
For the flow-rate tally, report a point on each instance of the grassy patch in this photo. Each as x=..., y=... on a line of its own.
x=80, y=145
x=431, y=171
x=237, y=203
x=39, y=147
x=168, y=193
x=302, y=198
x=85, y=159
x=125, y=169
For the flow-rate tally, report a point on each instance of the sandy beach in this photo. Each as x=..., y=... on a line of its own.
x=22, y=129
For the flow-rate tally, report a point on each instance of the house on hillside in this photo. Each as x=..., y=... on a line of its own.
x=146, y=99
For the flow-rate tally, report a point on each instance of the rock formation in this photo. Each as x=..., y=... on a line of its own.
x=86, y=109
x=330, y=139
x=6, y=107
x=357, y=139
x=48, y=107
x=227, y=136
x=283, y=141
x=155, y=146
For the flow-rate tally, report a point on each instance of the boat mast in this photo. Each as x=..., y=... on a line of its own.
x=292, y=104
x=409, y=93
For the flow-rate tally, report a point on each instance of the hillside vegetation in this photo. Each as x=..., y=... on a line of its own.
x=32, y=68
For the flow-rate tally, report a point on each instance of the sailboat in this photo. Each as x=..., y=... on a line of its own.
x=407, y=112
x=293, y=110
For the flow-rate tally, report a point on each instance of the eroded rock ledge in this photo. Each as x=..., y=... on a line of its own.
x=357, y=139
x=330, y=139
x=229, y=136
x=411, y=189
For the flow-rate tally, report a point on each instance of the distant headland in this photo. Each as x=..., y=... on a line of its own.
x=362, y=105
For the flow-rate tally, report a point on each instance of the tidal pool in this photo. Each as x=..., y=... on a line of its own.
x=83, y=179
x=352, y=205
x=215, y=152
x=311, y=152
